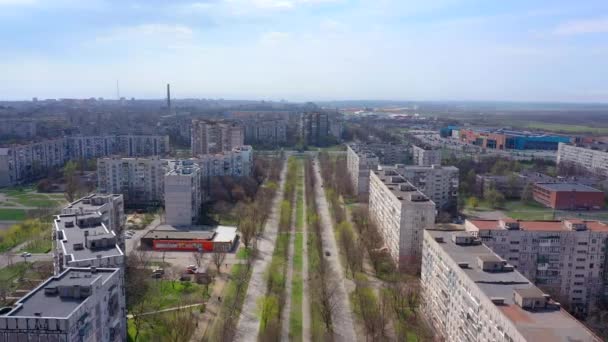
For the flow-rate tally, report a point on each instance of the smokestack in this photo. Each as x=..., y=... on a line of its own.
x=169, y=97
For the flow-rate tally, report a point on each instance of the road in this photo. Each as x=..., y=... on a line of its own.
x=342, y=317
x=248, y=327
x=16, y=257
x=133, y=242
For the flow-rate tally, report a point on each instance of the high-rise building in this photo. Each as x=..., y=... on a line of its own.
x=565, y=258
x=471, y=294
x=439, y=183
x=426, y=155
x=265, y=131
x=182, y=193
x=236, y=163
x=78, y=304
x=592, y=157
x=401, y=213
x=19, y=163
x=88, y=147
x=139, y=180
x=360, y=161
x=110, y=207
x=314, y=128
x=210, y=137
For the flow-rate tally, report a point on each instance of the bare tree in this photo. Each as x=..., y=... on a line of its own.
x=179, y=325
x=218, y=259
x=197, y=256
x=328, y=297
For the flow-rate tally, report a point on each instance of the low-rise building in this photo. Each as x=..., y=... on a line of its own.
x=359, y=162
x=592, y=157
x=471, y=294
x=565, y=258
x=182, y=192
x=78, y=304
x=191, y=238
x=426, y=155
x=439, y=183
x=568, y=196
x=401, y=213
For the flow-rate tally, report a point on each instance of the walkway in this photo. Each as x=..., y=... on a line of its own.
x=249, y=323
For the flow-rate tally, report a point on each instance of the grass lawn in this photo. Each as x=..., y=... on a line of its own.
x=297, y=287
x=11, y=272
x=12, y=215
x=38, y=246
x=242, y=253
x=7, y=204
x=37, y=202
x=556, y=127
x=170, y=295
x=527, y=210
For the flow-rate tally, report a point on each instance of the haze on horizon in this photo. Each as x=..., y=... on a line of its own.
x=302, y=50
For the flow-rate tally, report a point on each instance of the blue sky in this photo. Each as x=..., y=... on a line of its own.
x=306, y=49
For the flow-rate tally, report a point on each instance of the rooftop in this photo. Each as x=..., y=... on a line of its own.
x=538, y=325
x=43, y=301
x=401, y=188
x=170, y=232
x=549, y=226
x=91, y=203
x=75, y=241
x=567, y=187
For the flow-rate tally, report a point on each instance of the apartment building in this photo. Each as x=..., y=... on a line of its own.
x=592, y=157
x=471, y=294
x=391, y=154
x=565, y=258
x=139, y=180
x=78, y=304
x=182, y=193
x=88, y=147
x=359, y=162
x=237, y=163
x=439, y=183
x=18, y=128
x=110, y=207
x=426, y=155
x=315, y=128
x=271, y=132
x=19, y=163
x=210, y=137
x=85, y=241
x=401, y=213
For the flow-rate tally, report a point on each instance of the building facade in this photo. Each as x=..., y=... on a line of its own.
x=401, y=213
x=182, y=193
x=360, y=162
x=568, y=196
x=139, y=180
x=439, y=183
x=426, y=155
x=78, y=304
x=110, y=207
x=315, y=128
x=210, y=137
x=19, y=163
x=503, y=139
x=270, y=132
x=565, y=258
x=471, y=294
x=236, y=163
x=593, y=158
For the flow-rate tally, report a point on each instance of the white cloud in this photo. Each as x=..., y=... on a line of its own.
x=583, y=27
x=160, y=32
x=274, y=38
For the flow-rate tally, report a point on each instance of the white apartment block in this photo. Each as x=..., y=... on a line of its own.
x=401, y=213
x=593, y=157
x=20, y=163
x=439, y=183
x=360, y=162
x=426, y=155
x=471, y=294
x=85, y=241
x=77, y=305
x=565, y=258
x=18, y=128
x=236, y=163
x=139, y=180
x=88, y=147
x=265, y=131
x=110, y=207
x=210, y=137
x=182, y=193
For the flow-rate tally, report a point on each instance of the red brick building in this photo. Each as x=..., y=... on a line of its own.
x=568, y=196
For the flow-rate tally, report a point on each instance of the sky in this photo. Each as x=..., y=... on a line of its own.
x=306, y=50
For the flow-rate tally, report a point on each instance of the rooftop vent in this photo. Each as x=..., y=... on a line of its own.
x=439, y=239
x=78, y=246
x=465, y=239
x=68, y=224
x=50, y=291
x=498, y=300
x=407, y=187
x=463, y=265
x=509, y=224
x=577, y=225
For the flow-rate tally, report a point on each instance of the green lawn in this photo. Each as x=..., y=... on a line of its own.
x=7, y=204
x=38, y=202
x=527, y=210
x=297, y=287
x=242, y=253
x=566, y=128
x=12, y=215
x=38, y=246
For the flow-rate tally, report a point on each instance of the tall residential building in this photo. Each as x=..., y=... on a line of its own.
x=236, y=163
x=78, y=304
x=593, y=157
x=315, y=128
x=401, y=213
x=182, y=193
x=426, y=155
x=87, y=147
x=565, y=258
x=439, y=183
x=471, y=294
x=265, y=131
x=210, y=137
x=391, y=154
x=139, y=180
x=110, y=207
x=360, y=162
x=20, y=163
x=17, y=128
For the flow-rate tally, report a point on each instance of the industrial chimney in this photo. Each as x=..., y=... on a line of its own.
x=169, y=97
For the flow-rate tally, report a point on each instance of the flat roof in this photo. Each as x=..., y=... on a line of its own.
x=75, y=235
x=225, y=234
x=171, y=232
x=92, y=202
x=39, y=304
x=550, y=225
x=567, y=187
x=546, y=325
x=394, y=181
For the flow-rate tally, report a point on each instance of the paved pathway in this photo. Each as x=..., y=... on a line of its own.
x=248, y=327
x=342, y=318
x=166, y=310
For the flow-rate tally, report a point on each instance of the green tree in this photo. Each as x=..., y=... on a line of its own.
x=72, y=184
x=495, y=198
x=526, y=194
x=473, y=202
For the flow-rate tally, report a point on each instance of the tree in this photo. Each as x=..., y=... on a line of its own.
x=218, y=260
x=494, y=198
x=197, y=256
x=526, y=194
x=473, y=202
x=72, y=184
x=178, y=325
x=329, y=302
